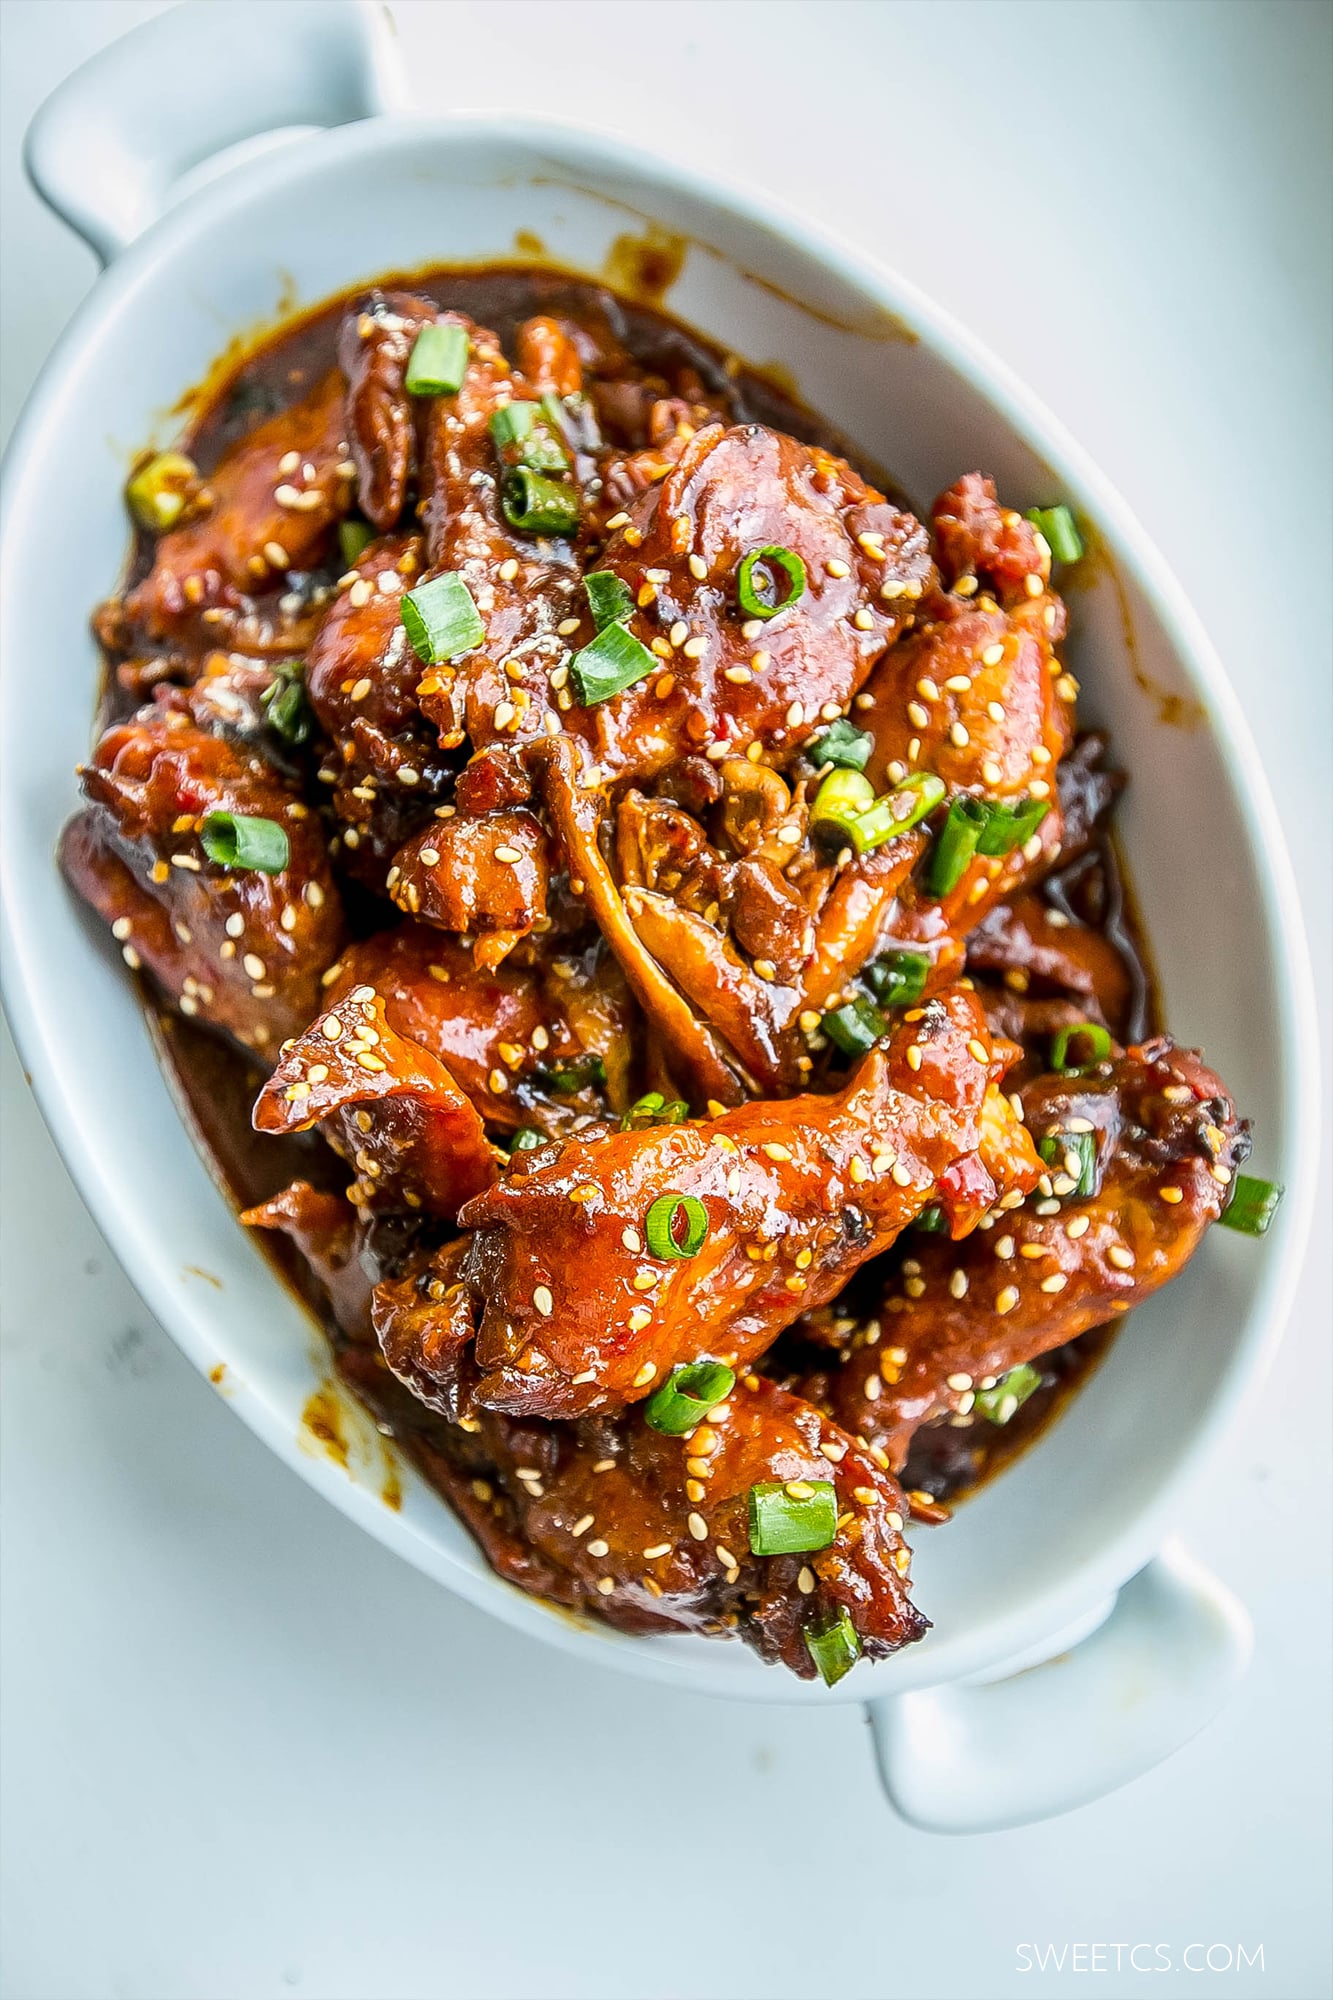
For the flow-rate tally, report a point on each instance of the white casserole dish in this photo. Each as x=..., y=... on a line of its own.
x=1062, y=1559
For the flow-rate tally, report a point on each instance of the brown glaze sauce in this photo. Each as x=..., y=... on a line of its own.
x=215, y=1083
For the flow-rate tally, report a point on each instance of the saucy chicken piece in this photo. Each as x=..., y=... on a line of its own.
x=729, y=680
x=1036, y=949
x=275, y=495
x=485, y=874
x=234, y=946
x=1164, y=1139
x=375, y=343
x=386, y=1104
x=651, y=1532
x=527, y=1044
x=584, y=1296
x=523, y=586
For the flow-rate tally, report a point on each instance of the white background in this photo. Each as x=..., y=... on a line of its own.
x=249, y=1754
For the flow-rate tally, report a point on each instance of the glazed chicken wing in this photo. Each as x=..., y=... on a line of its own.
x=236, y=946
x=584, y=1297
x=1163, y=1140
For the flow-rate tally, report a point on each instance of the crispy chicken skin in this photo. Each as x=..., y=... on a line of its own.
x=1167, y=1141
x=600, y=1045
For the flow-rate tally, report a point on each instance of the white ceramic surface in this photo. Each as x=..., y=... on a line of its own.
x=1041, y=1550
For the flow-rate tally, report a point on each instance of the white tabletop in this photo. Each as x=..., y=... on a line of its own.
x=247, y=1753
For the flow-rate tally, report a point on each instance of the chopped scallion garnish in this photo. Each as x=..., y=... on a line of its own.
x=511, y=423
x=522, y=436
x=787, y=1517
x=536, y=505
x=354, y=538
x=840, y=802
x=899, y=978
x=610, y=663
x=569, y=1078
x=898, y=810
x=244, y=840
x=1088, y=1042
x=286, y=709
x=933, y=1220
x=686, y=1397
x=1057, y=525
x=998, y=1403
x=834, y=1648
x=158, y=492
x=1009, y=825
x=676, y=1226
x=855, y=1027
x=769, y=580
x=609, y=597
x=441, y=619
x=1253, y=1204
x=654, y=1109
x=1064, y=1150
x=843, y=745
x=438, y=361
x=957, y=843
x=527, y=1139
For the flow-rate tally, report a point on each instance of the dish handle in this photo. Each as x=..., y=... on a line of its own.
x=1081, y=1715
x=108, y=147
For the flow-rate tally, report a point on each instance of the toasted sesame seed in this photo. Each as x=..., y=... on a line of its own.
x=645, y=1280
x=1055, y=1283
x=645, y=1374
x=958, y=736
x=1077, y=1226
x=1171, y=1194
x=918, y=716
x=658, y=1549
x=1122, y=1258
x=976, y=1047
x=913, y=1057
x=543, y=1301
x=1007, y=1299
x=253, y=965
x=598, y=1547
x=698, y=1527
x=776, y=1152
x=872, y=1388
x=899, y=1174
x=698, y=568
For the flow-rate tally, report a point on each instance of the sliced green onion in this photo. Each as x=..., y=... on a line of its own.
x=840, y=802
x=536, y=505
x=438, y=361
x=898, y=810
x=609, y=597
x=522, y=440
x=899, y=978
x=1057, y=525
x=1009, y=825
x=441, y=619
x=286, y=709
x=561, y=418
x=1094, y=1046
x=654, y=1109
x=686, y=1397
x=932, y=1220
x=834, y=1648
x=511, y=424
x=957, y=843
x=844, y=745
x=1058, y=1147
x=243, y=840
x=159, y=490
x=1003, y=1398
x=1253, y=1205
x=855, y=1027
x=760, y=571
x=354, y=538
x=527, y=1139
x=660, y=1226
x=610, y=663
x=580, y=1073
x=787, y=1517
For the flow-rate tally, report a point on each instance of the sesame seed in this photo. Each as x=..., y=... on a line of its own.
x=617, y=521
x=657, y=1549
x=1122, y=1259
x=759, y=660
x=598, y=1548
x=899, y=1174
x=776, y=1152
x=585, y=1521
x=698, y=568
x=543, y=1301
x=509, y=570
x=1171, y=1195
x=645, y=1280
x=918, y=716
x=698, y=1527
x=254, y=965
x=1007, y=1299
x=1077, y=1226
x=992, y=656
x=1055, y=1283
x=640, y=1318
x=991, y=772
x=958, y=736
x=276, y=554
x=605, y=1586
x=645, y=1374
x=872, y=1388
x=976, y=1047
x=913, y=1057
